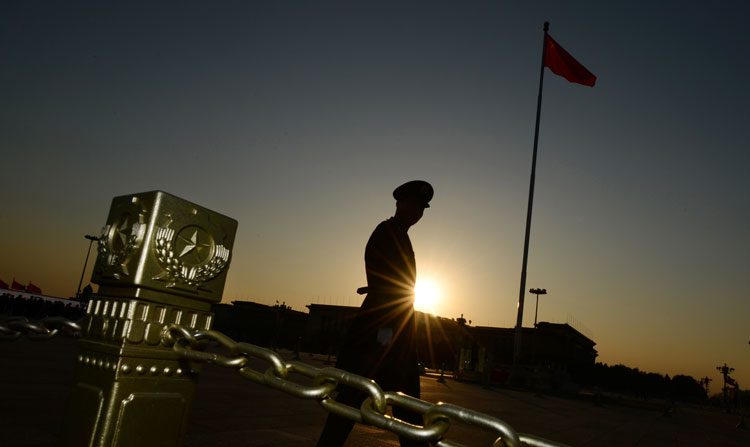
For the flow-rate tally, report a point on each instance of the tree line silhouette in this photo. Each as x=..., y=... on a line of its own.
x=634, y=382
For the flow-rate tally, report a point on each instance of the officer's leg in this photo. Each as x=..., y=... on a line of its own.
x=337, y=428
x=410, y=385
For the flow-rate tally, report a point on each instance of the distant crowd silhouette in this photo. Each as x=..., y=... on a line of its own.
x=36, y=308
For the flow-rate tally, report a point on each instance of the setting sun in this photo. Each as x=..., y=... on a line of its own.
x=426, y=296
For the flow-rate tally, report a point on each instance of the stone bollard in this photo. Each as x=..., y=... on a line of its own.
x=161, y=260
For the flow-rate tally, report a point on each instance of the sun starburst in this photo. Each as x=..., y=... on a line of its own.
x=427, y=295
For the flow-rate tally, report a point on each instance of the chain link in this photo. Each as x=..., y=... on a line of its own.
x=191, y=344
x=12, y=328
x=437, y=417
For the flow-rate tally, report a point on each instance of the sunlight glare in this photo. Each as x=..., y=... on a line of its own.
x=426, y=296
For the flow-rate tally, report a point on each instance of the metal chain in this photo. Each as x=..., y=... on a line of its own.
x=189, y=344
x=12, y=328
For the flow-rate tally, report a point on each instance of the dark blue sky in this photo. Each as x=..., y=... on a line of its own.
x=299, y=118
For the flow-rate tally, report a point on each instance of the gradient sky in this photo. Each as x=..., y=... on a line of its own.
x=299, y=118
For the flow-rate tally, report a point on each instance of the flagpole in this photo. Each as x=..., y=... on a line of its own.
x=522, y=293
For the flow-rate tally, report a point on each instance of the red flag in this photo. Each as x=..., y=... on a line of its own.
x=3, y=284
x=33, y=289
x=563, y=64
x=17, y=286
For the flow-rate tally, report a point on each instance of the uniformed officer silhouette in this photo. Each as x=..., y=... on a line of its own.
x=381, y=343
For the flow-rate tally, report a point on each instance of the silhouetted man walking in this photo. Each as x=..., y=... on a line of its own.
x=381, y=343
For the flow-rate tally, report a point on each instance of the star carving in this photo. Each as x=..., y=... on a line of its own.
x=193, y=245
x=122, y=236
x=123, y=231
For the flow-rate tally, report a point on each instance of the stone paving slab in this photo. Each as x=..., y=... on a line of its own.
x=230, y=411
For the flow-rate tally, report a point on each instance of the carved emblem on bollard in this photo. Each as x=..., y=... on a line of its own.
x=162, y=260
x=191, y=257
x=157, y=242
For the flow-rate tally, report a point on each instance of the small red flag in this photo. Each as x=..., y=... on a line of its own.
x=17, y=286
x=563, y=64
x=3, y=284
x=33, y=289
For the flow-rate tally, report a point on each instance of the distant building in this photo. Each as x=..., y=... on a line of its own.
x=277, y=326
x=326, y=327
x=439, y=340
x=554, y=347
x=470, y=352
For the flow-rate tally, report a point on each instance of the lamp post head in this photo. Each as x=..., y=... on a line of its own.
x=91, y=238
x=538, y=291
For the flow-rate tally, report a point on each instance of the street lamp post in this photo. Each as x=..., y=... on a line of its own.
x=725, y=371
x=537, y=292
x=91, y=241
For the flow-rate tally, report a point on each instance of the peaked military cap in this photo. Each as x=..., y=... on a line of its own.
x=417, y=190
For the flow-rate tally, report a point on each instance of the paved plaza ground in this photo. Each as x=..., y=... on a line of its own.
x=230, y=411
